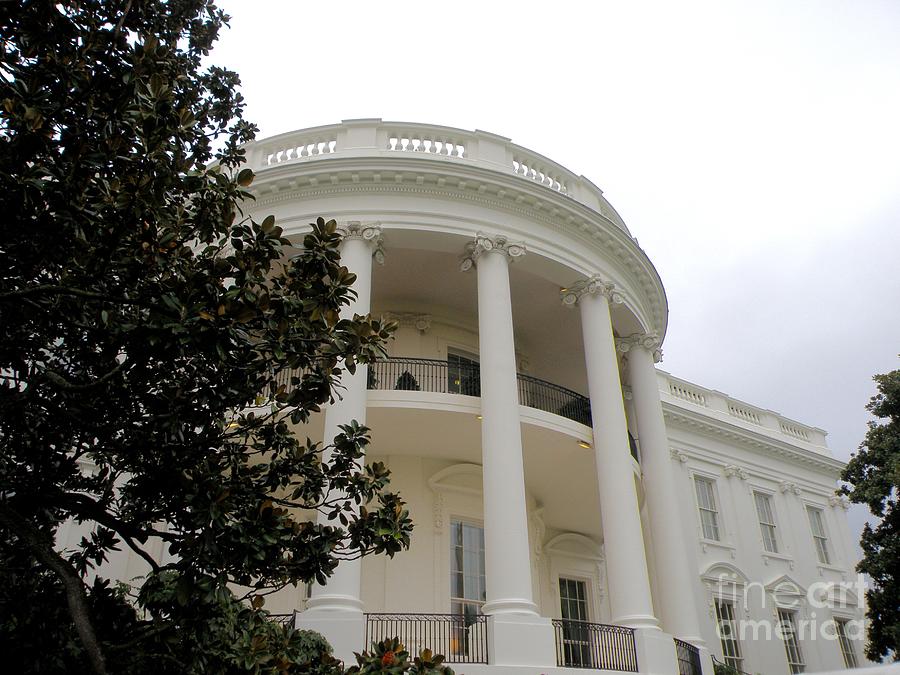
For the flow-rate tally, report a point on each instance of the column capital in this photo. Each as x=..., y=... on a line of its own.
x=484, y=243
x=592, y=285
x=649, y=341
x=367, y=232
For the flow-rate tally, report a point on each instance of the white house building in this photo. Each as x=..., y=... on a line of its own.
x=575, y=506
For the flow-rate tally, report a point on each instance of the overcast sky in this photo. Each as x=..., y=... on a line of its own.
x=753, y=148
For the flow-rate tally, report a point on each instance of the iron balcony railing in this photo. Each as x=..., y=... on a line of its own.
x=286, y=620
x=433, y=375
x=461, y=638
x=688, y=658
x=581, y=644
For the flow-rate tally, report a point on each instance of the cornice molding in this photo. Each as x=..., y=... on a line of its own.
x=750, y=439
x=525, y=198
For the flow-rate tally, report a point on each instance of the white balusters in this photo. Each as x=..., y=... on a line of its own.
x=744, y=413
x=534, y=169
x=795, y=431
x=688, y=394
x=426, y=143
x=295, y=148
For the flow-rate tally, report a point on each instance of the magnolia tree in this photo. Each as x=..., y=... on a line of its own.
x=159, y=355
x=873, y=475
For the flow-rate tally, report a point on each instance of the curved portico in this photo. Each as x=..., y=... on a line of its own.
x=433, y=199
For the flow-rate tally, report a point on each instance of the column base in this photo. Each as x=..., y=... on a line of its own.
x=656, y=652
x=706, y=662
x=647, y=621
x=510, y=606
x=521, y=640
x=344, y=629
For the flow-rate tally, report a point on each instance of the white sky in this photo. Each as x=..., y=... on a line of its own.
x=753, y=148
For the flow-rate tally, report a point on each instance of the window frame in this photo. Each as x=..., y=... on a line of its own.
x=844, y=642
x=718, y=521
x=820, y=541
x=769, y=497
x=465, y=522
x=788, y=619
x=472, y=387
x=576, y=639
x=735, y=659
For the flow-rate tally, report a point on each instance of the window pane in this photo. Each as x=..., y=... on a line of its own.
x=467, y=581
x=820, y=538
x=791, y=644
x=847, y=651
x=731, y=648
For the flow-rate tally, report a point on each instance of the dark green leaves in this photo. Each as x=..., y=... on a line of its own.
x=873, y=475
x=158, y=357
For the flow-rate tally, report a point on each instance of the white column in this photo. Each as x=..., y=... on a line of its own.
x=335, y=610
x=626, y=565
x=517, y=635
x=675, y=580
x=507, y=559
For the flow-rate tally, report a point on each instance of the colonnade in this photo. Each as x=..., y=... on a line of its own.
x=507, y=562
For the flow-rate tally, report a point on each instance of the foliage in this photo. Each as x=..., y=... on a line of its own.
x=873, y=475
x=159, y=353
x=389, y=656
x=407, y=382
x=724, y=669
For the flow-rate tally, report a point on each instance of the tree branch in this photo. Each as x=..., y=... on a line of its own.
x=75, y=594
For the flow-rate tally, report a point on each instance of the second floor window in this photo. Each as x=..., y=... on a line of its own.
x=820, y=537
x=709, y=512
x=766, y=515
x=463, y=374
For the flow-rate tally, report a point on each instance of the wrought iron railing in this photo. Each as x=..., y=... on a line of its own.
x=461, y=638
x=688, y=658
x=581, y=644
x=286, y=620
x=728, y=667
x=441, y=377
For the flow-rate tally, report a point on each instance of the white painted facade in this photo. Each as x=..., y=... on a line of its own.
x=497, y=256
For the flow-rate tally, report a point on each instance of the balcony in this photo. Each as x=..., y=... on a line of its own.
x=688, y=658
x=581, y=644
x=460, y=638
x=441, y=377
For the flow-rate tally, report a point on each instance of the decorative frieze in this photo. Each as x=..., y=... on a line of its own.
x=438, y=511
x=839, y=501
x=735, y=471
x=484, y=243
x=649, y=341
x=788, y=487
x=421, y=322
x=592, y=285
x=370, y=232
x=679, y=455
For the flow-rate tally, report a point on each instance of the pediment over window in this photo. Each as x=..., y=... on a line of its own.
x=786, y=591
x=574, y=545
x=461, y=478
x=726, y=574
